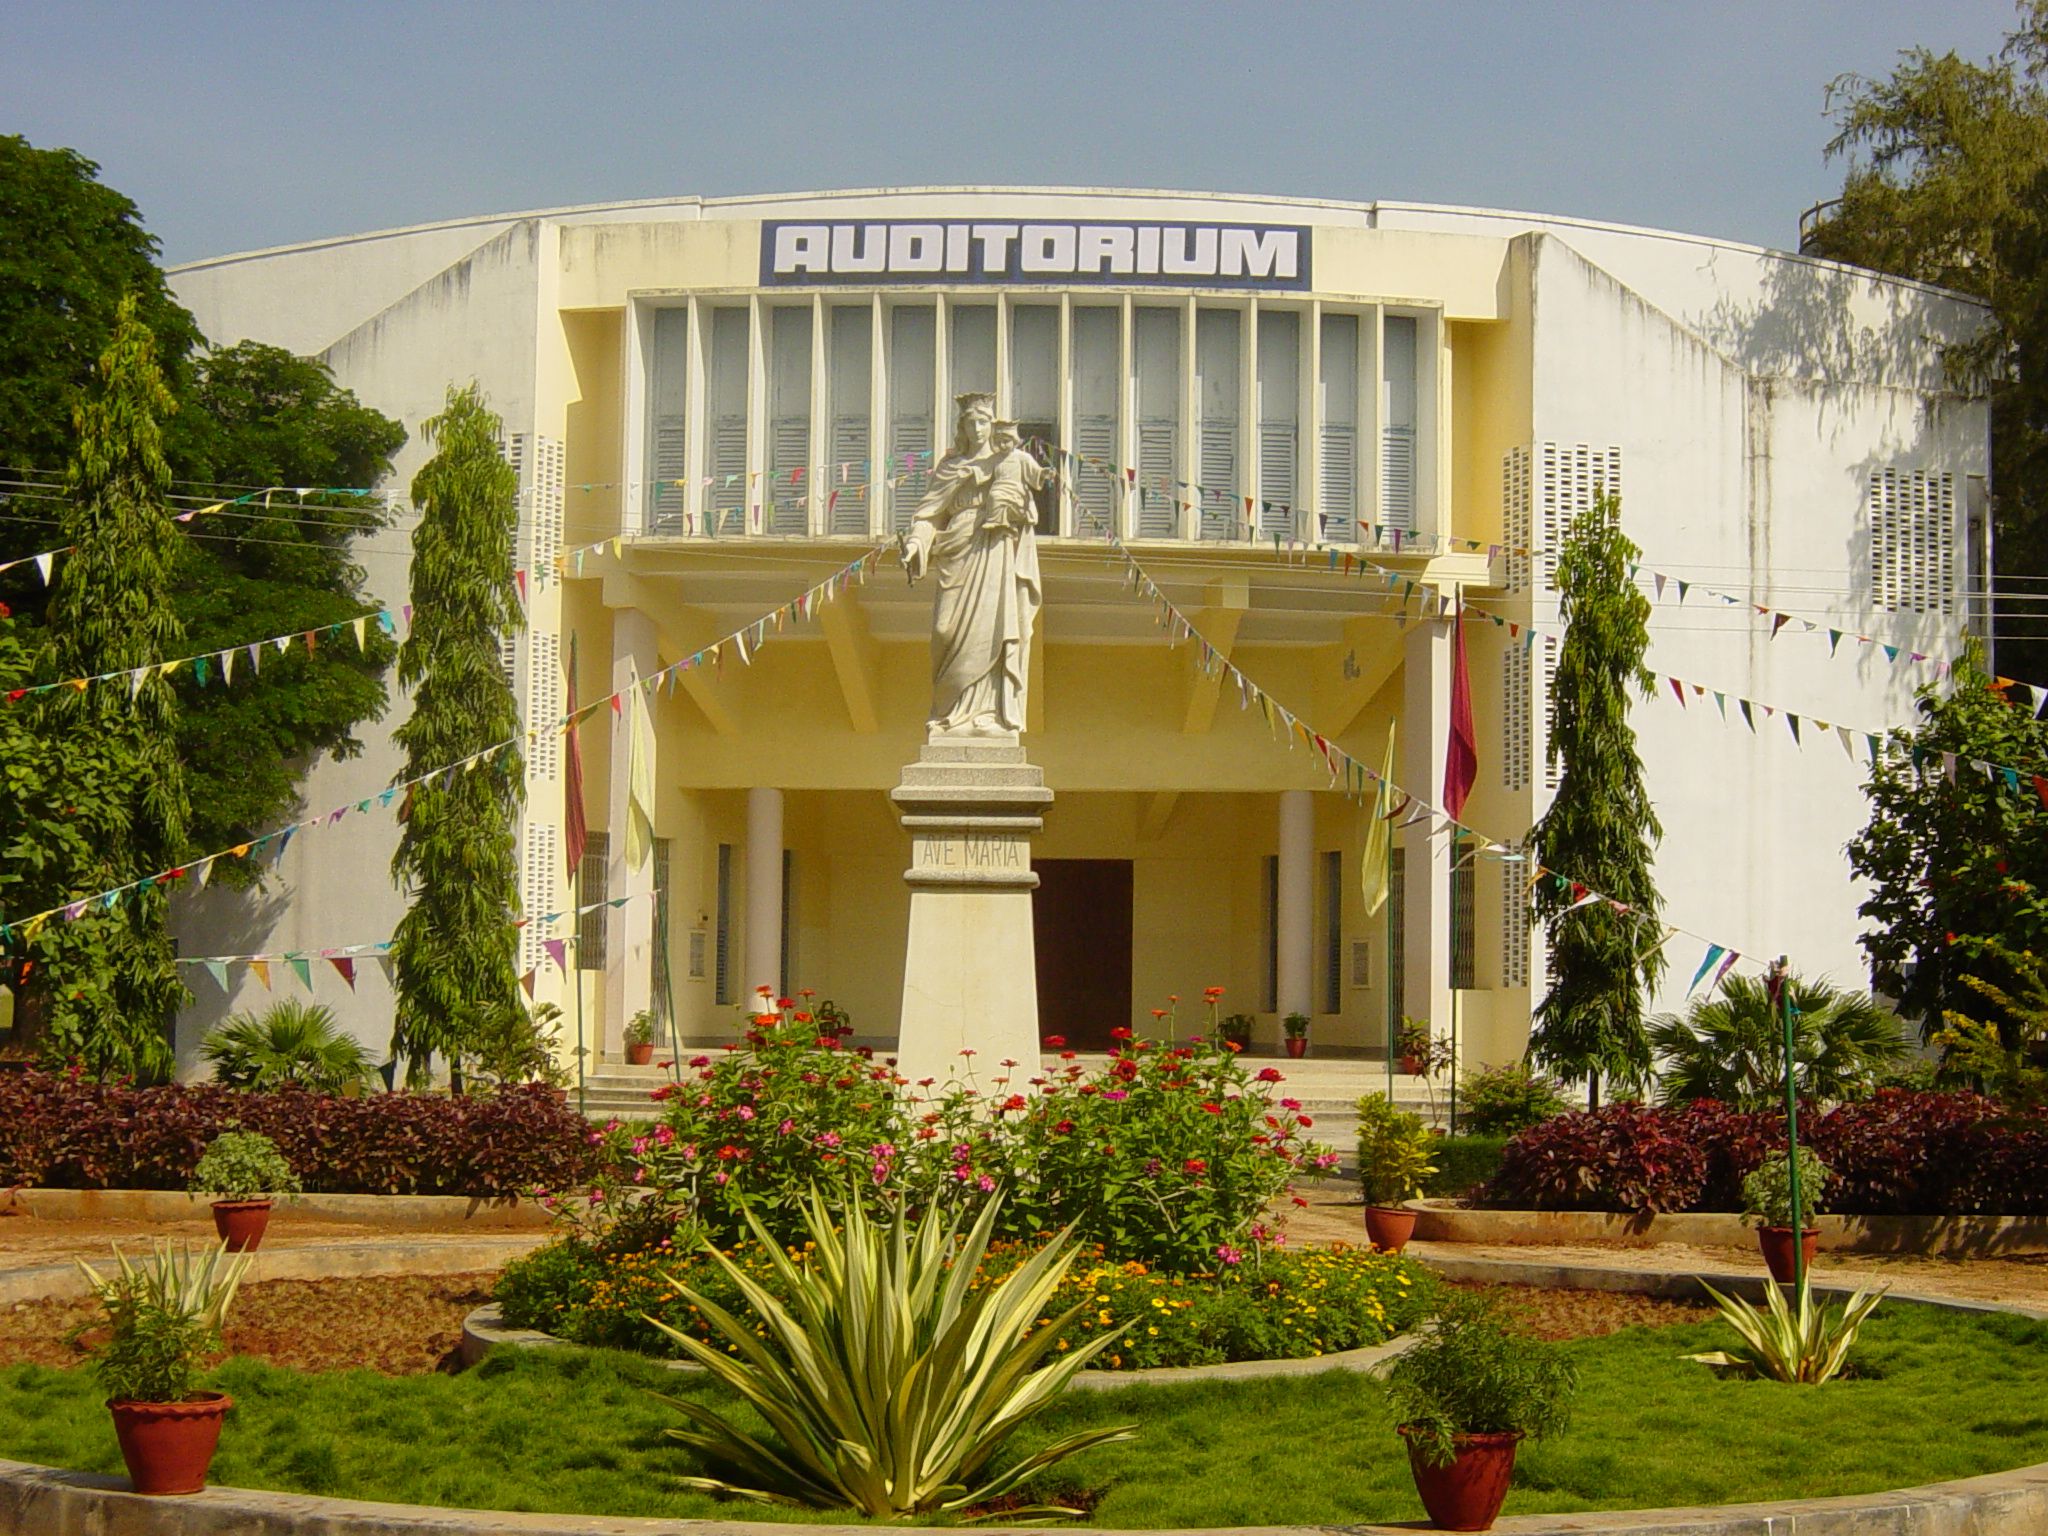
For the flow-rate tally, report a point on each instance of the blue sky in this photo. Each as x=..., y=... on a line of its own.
x=236, y=126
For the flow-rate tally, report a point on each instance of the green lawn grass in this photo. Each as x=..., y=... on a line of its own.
x=1938, y=1395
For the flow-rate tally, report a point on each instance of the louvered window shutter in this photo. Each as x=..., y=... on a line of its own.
x=1277, y=479
x=850, y=448
x=728, y=475
x=790, y=446
x=910, y=439
x=1339, y=497
x=1397, y=477
x=665, y=501
x=1221, y=510
x=1158, y=474
x=1095, y=494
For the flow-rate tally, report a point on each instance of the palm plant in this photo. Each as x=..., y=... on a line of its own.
x=1808, y=1344
x=1732, y=1047
x=289, y=1042
x=892, y=1377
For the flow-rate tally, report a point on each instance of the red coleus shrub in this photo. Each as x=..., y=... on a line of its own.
x=68, y=1132
x=1623, y=1157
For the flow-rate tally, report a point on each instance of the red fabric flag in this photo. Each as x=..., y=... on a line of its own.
x=576, y=832
x=1461, y=757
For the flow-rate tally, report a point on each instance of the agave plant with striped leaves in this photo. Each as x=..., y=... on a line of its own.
x=890, y=1378
x=1806, y=1343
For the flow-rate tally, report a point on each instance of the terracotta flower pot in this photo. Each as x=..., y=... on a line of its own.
x=1776, y=1243
x=1389, y=1226
x=1411, y=1066
x=241, y=1222
x=1467, y=1494
x=639, y=1053
x=169, y=1446
x=1297, y=1046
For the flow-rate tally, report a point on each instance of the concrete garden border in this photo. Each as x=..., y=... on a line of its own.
x=340, y=1260
x=1447, y=1221
x=176, y=1205
x=47, y=1501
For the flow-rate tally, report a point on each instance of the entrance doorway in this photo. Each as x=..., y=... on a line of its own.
x=1081, y=926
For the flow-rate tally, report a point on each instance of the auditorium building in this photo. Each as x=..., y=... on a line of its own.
x=1315, y=429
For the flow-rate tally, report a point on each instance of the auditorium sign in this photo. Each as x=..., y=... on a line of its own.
x=904, y=251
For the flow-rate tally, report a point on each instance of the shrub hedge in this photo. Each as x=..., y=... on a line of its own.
x=65, y=1131
x=1899, y=1152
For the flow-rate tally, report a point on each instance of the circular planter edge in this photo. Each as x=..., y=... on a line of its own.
x=484, y=1330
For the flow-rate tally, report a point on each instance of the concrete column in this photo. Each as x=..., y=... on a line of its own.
x=1294, y=912
x=764, y=893
x=629, y=948
x=1426, y=884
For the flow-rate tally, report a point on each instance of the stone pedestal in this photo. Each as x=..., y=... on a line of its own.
x=970, y=979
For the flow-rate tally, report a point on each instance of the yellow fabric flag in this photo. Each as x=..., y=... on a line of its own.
x=1379, y=833
x=639, y=781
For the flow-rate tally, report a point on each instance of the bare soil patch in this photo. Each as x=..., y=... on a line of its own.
x=398, y=1325
x=1566, y=1314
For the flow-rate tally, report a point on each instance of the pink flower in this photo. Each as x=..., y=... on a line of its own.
x=829, y=1139
x=663, y=1135
x=785, y=1128
x=746, y=1112
x=1290, y=1103
x=987, y=1184
x=700, y=1061
x=1228, y=1254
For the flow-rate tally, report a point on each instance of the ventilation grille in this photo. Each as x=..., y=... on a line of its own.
x=538, y=461
x=540, y=863
x=544, y=706
x=1516, y=524
x=1514, y=709
x=1913, y=541
x=1361, y=963
x=1514, y=922
x=1567, y=481
x=508, y=661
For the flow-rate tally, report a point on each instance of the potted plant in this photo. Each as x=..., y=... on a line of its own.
x=242, y=1170
x=1464, y=1397
x=161, y=1316
x=1296, y=1025
x=1767, y=1201
x=1393, y=1162
x=1235, y=1029
x=1411, y=1044
x=640, y=1038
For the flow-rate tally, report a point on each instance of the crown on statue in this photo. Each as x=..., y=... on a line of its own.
x=979, y=400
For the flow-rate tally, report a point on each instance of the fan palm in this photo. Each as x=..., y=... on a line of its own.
x=289, y=1042
x=1732, y=1047
x=892, y=1378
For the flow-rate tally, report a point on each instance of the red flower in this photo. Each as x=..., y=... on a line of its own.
x=1212, y=1109
x=783, y=1002
x=1303, y=1121
x=1195, y=1166
x=1064, y=1128
x=1270, y=1075
x=1120, y=1033
x=1055, y=1042
x=1158, y=1013
x=1232, y=1046
x=1014, y=1101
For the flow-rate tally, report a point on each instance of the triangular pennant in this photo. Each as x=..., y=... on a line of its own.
x=526, y=982
x=558, y=951
x=301, y=968
x=1747, y=718
x=261, y=969
x=345, y=968
x=227, y=667
x=218, y=970
x=43, y=563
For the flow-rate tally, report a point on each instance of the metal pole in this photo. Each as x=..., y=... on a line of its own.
x=1387, y=948
x=1781, y=998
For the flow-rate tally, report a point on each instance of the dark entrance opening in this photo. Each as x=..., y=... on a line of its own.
x=1081, y=926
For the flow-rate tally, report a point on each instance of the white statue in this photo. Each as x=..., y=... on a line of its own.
x=974, y=530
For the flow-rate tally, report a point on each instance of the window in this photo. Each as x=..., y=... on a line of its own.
x=668, y=420
x=1270, y=896
x=657, y=957
x=850, y=379
x=1218, y=365
x=1397, y=430
x=1464, y=914
x=973, y=348
x=725, y=413
x=1035, y=394
x=788, y=494
x=1912, y=541
x=1337, y=392
x=1279, y=421
x=786, y=949
x=1397, y=942
x=1098, y=381
x=1156, y=339
x=1333, y=931
x=593, y=885
x=721, y=991
x=913, y=353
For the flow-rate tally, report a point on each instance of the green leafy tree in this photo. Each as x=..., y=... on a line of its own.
x=1953, y=857
x=71, y=249
x=106, y=986
x=457, y=986
x=1601, y=830
x=277, y=566
x=1946, y=181
x=1731, y=1047
x=2000, y=1044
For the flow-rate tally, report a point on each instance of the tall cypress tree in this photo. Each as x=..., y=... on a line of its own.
x=454, y=949
x=105, y=988
x=1601, y=830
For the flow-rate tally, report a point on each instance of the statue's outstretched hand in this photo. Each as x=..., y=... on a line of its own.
x=911, y=552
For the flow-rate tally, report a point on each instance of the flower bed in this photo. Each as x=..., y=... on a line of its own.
x=1896, y=1153
x=1280, y=1306
x=65, y=1131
